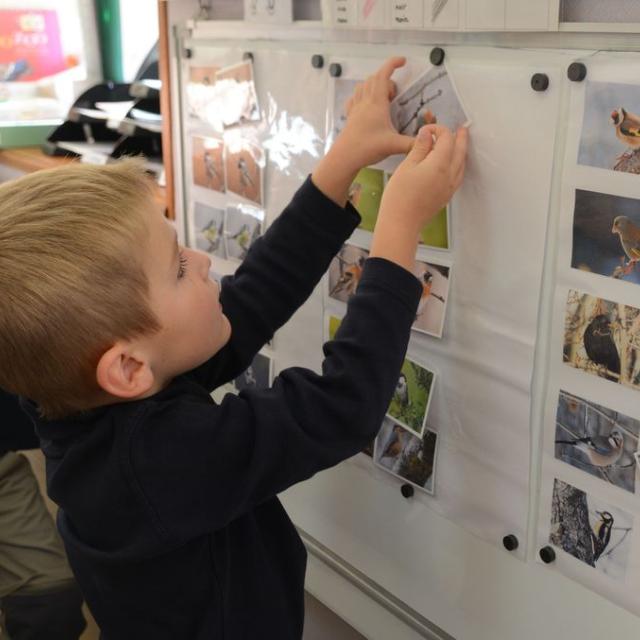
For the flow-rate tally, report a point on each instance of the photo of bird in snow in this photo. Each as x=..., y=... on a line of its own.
x=208, y=163
x=411, y=399
x=611, y=127
x=244, y=166
x=405, y=455
x=345, y=272
x=209, y=224
x=243, y=226
x=433, y=301
x=597, y=440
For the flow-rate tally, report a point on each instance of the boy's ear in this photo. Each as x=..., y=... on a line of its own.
x=124, y=372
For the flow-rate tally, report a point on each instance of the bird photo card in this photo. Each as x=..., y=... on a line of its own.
x=407, y=456
x=365, y=195
x=201, y=94
x=244, y=169
x=345, y=272
x=433, y=301
x=332, y=326
x=431, y=98
x=258, y=375
x=597, y=440
x=208, y=162
x=209, y=229
x=412, y=397
x=602, y=338
x=236, y=94
x=343, y=89
x=611, y=127
x=590, y=530
x=606, y=235
x=243, y=226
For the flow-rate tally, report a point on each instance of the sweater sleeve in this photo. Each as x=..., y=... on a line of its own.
x=277, y=276
x=200, y=465
x=16, y=428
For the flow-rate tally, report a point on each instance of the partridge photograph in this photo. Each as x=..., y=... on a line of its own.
x=611, y=127
x=597, y=440
x=606, y=235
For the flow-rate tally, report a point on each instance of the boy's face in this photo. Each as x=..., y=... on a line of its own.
x=185, y=302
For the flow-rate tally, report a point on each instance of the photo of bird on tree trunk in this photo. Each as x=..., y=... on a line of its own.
x=606, y=235
x=597, y=440
x=244, y=168
x=602, y=338
x=208, y=162
x=591, y=530
x=611, y=127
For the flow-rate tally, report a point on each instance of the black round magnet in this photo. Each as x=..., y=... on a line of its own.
x=437, y=56
x=510, y=542
x=547, y=555
x=335, y=70
x=577, y=71
x=317, y=61
x=539, y=81
x=188, y=53
x=247, y=55
x=406, y=490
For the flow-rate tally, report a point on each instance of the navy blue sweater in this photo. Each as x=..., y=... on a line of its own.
x=168, y=505
x=16, y=428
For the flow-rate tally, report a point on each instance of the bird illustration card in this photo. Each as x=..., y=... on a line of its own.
x=611, y=127
x=597, y=440
x=345, y=272
x=606, y=235
x=412, y=396
x=602, y=338
x=591, y=530
x=258, y=375
x=208, y=162
x=243, y=226
x=435, y=294
x=236, y=94
x=244, y=168
x=201, y=93
x=431, y=98
x=407, y=456
x=365, y=195
x=209, y=229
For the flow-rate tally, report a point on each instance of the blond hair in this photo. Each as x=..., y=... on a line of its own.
x=72, y=280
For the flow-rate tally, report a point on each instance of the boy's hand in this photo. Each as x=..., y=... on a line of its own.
x=369, y=135
x=423, y=183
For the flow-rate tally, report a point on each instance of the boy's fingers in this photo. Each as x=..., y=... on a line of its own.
x=443, y=145
x=383, y=75
x=422, y=145
x=392, y=90
x=460, y=152
x=401, y=144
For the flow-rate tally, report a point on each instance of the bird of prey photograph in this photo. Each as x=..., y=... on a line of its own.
x=208, y=163
x=610, y=137
x=598, y=440
x=209, y=229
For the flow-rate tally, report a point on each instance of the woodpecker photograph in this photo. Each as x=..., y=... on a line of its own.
x=430, y=99
x=611, y=127
x=602, y=338
x=434, y=279
x=597, y=440
x=345, y=271
x=407, y=456
x=201, y=94
x=208, y=162
x=591, y=530
x=412, y=397
x=257, y=375
x=606, y=235
x=244, y=168
x=365, y=195
x=209, y=229
x=243, y=226
x=236, y=96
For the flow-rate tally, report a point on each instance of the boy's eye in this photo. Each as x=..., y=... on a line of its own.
x=182, y=268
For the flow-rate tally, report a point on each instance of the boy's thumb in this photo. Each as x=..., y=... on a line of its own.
x=422, y=145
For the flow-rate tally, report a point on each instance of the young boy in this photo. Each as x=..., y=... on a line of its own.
x=168, y=505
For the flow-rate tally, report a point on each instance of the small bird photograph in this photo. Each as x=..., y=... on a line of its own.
x=597, y=440
x=365, y=195
x=610, y=136
x=407, y=456
x=201, y=94
x=244, y=168
x=412, y=397
x=345, y=271
x=606, y=235
x=208, y=162
x=258, y=375
x=602, y=338
x=236, y=95
x=343, y=89
x=209, y=229
x=242, y=227
x=433, y=302
x=591, y=530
